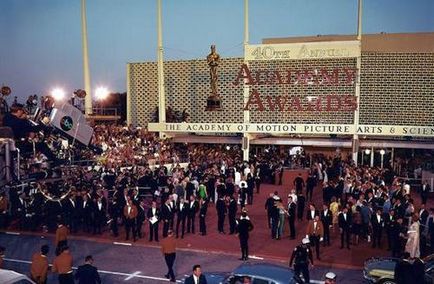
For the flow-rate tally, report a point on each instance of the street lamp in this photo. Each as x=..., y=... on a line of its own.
x=367, y=151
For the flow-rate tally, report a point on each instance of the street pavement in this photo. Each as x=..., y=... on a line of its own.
x=138, y=263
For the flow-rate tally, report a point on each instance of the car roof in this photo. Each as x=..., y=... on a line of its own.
x=10, y=276
x=265, y=270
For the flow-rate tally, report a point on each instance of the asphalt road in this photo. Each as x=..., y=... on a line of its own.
x=138, y=264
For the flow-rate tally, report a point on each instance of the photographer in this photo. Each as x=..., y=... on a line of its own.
x=25, y=132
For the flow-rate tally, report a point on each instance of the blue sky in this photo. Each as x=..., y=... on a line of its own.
x=40, y=44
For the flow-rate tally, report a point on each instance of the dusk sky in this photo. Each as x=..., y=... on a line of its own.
x=41, y=39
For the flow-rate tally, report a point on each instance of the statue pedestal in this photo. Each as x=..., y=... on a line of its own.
x=213, y=103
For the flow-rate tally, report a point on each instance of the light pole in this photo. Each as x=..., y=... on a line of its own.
x=86, y=72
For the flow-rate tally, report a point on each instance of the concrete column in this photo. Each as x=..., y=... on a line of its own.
x=372, y=157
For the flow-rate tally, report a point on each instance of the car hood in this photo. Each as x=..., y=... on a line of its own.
x=380, y=266
x=215, y=277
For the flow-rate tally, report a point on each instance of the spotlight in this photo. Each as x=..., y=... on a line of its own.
x=382, y=152
x=228, y=148
x=101, y=93
x=58, y=94
x=367, y=151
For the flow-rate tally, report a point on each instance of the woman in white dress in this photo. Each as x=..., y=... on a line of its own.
x=412, y=245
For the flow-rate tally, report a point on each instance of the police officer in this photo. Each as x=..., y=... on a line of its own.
x=302, y=254
x=330, y=278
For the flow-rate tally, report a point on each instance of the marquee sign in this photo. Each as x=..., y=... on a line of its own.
x=309, y=50
x=342, y=129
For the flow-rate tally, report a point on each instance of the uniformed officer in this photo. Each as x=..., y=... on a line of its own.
x=330, y=278
x=302, y=254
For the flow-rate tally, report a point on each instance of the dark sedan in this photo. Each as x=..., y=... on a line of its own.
x=382, y=269
x=259, y=273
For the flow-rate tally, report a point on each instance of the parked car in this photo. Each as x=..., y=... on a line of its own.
x=12, y=277
x=259, y=273
x=382, y=269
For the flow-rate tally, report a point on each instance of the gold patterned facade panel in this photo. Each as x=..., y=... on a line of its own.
x=396, y=89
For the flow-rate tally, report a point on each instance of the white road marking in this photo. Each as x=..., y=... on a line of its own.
x=128, y=275
x=122, y=244
x=256, y=257
x=132, y=275
x=317, y=281
x=13, y=233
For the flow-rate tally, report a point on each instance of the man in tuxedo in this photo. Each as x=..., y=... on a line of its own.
x=141, y=216
x=424, y=192
x=312, y=212
x=202, y=216
x=221, y=213
x=99, y=215
x=232, y=213
x=71, y=213
x=86, y=212
x=196, y=277
x=269, y=204
x=181, y=212
x=310, y=184
x=389, y=223
x=87, y=273
x=193, y=207
x=299, y=184
x=130, y=215
x=244, y=227
x=326, y=219
x=315, y=233
x=153, y=216
x=166, y=216
x=377, y=223
x=292, y=207
x=344, y=221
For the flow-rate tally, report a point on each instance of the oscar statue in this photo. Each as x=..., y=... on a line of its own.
x=213, y=102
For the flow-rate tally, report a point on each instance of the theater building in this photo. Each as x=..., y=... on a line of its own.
x=301, y=91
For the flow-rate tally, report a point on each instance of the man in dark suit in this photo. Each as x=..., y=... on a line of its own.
x=86, y=212
x=87, y=273
x=221, y=213
x=377, y=223
x=310, y=184
x=153, y=216
x=326, y=219
x=232, y=213
x=244, y=227
x=292, y=207
x=166, y=216
x=141, y=216
x=99, y=214
x=389, y=224
x=130, y=214
x=312, y=212
x=424, y=192
x=181, y=212
x=344, y=221
x=299, y=184
x=196, y=277
x=202, y=216
x=193, y=207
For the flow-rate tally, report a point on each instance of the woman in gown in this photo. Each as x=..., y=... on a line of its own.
x=412, y=245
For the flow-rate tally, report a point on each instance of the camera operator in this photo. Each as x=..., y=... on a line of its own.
x=25, y=132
